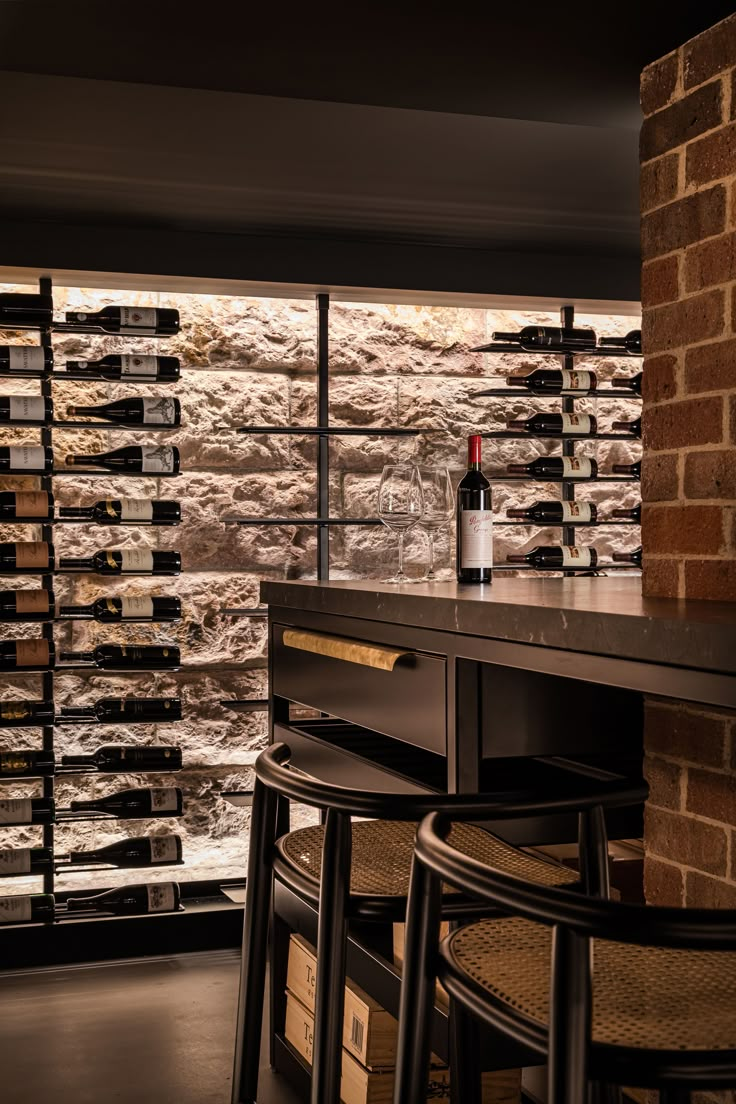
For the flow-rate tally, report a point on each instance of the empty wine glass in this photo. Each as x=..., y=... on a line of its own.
x=400, y=505
x=439, y=507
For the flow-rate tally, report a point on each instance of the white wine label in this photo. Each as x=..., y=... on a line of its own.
x=15, y=910
x=573, y=512
x=138, y=318
x=27, y=458
x=16, y=810
x=575, y=557
x=159, y=412
x=32, y=554
x=15, y=860
x=164, y=849
x=476, y=538
x=136, y=509
x=164, y=799
x=25, y=358
x=27, y=408
x=576, y=423
x=31, y=504
x=32, y=653
x=136, y=609
x=576, y=381
x=139, y=366
x=157, y=458
x=32, y=601
x=136, y=561
x=161, y=898
x=576, y=467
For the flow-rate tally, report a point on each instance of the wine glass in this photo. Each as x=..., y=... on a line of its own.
x=439, y=506
x=400, y=505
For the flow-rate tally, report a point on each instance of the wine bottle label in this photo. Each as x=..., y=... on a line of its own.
x=576, y=467
x=136, y=609
x=476, y=538
x=575, y=423
x=16, y=810
x=32, y=554
x=159, y=411
x=163, y=849
x=136, y=509
x=575, y=557
x=138, y=318
x=27, y=458
x=164, y=799
x=576, y=381
x=15, y=860
x=135, y=561
x=576, y=512
x=26, y=358
x=32, y=653
x=32, y=601
x=15, y=762
x=15, y=910
x=157, y=458
x=138, y=366
x=161, y=898
x=27, y=408
x=30, y=504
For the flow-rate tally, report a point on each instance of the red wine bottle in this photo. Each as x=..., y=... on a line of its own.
x=27, y=605
x=26, y=764
x=557, y=468
x=132, y=412
x=26, y=410
x=26, y=714
x=129, y=320
x=634, y=428
x=633, y=557
x=556, y=425
x=631, y=342
x=27, y=655
x=113, y=610
x=629, y=383
x=139, y=804
x=129, y=900
x=137, y=851
x=122, y=711
x=125, y=561
x=126, y=511
x=128, y=657
x=149, y=459
x=17, y=861
x=27, y=810
x=26, y=558
x=36, y=908
x=633, y=471
x=34, y=506
x=26, y=460
x=121, y=759
x=129, y=368
x=24, y=310
x=557, y=557
x=26, y=361
x=474, y=521
x=557, y=513
x=550, y=338
x=632, y=515
x=553, y=381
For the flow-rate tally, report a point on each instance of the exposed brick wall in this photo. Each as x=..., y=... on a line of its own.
x=688, y=203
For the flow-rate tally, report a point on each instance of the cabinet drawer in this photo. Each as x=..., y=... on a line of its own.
x=404, y=697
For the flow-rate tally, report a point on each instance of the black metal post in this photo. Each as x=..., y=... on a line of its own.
x=569, y=1018
x=47, y=534
x=594, y=853
x=323, y=415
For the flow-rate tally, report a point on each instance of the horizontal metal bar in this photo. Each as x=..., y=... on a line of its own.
x=114, y=426
x=596, y=568
x=329, y=431
x=245, y=705
x=518, y=392
x=559, y=479
x=299, y=521
x=574, y=524
x=518, y=436
x=511, y=347
x=113, y=474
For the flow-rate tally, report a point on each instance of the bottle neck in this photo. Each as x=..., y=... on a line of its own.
x=76, y=612
x=515, y=337
x=516, y=559
x=77, y=657
x=76, y=511
x=79, y=562
x=77, y=760
x=474, y=452
x=71, y=714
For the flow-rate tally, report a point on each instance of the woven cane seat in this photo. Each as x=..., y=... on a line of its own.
x=383, y=850
x=652, y=998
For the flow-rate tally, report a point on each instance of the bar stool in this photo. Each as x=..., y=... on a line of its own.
x=605, y=992
x=362, y=871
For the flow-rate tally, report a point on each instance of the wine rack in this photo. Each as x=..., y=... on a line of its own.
x=55, y=911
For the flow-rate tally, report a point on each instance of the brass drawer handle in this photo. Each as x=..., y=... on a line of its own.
x=336, y=647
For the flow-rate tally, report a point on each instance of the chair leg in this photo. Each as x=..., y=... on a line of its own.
x=465, y=1072
x=331, y=953
x=569, y=1018
x=417, y=986
x=278, y=948
x=255, y=941
x=593, y=849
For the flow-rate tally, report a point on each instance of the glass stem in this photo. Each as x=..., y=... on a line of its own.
x=400, y=572
x=430, y=537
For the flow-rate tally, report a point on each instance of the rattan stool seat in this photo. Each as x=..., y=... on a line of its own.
x=383, y=851
x=652, y=998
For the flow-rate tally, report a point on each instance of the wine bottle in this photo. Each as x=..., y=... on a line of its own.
x=633, y=471
x=130, y=368
x=633, y=557
x=474, y=521
x=631, y=342
x=132, y=412
x=26, y=361
x=126, y=657
x=34, y=908
x=26, y=506
x=138, y=804
x=122, y=711
x=26, y=764
x=557, y=557
x=129, y=320
x=25, y=310
x=551, y=338
x=26, y=558
x=111, y=610
x=151, y=459
x=27, y=655
x=125, y=561
x=556, y=425
x=137, y=851
x=129, y=900
x=557, y=467
x=26, y=714
x=126, y=511
x=17, y=861
x=27, y=605
x=634, y=428
x=27, y=810
x=553, y=381
x=26, y=410
x=557, y=513
x=629, y=383
x=632, y=515
x=119, y=759
x=26, y=460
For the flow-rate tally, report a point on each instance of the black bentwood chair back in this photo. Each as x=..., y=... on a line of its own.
x=605, y=992
x=362, y=871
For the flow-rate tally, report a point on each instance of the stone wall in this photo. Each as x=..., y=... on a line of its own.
x=253, y=361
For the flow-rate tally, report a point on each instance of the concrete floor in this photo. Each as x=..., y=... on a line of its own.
x=154, y=1030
